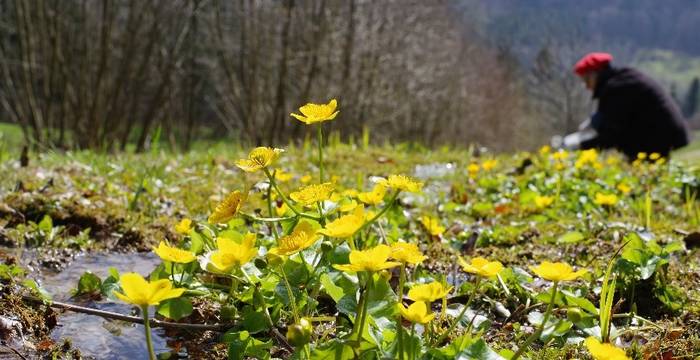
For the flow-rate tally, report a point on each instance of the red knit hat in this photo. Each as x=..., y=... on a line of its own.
x=592, y=62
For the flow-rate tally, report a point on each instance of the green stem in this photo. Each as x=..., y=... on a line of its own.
x=412, y=353
x=269, y=210
x=387, y=207
x=172, y=272
x=292, y=301
x=320, y=152
x=461, y=314
x=147, y=329
x=365, y=303
x=399, y=327
x=537, y=333
x=284, y=198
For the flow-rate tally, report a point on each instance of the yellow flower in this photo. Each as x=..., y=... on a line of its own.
x=305, y=179
x=346, y=225
x=557, y=271
x=259, y=158
x=624, y=188
x=473, y=168
x=605, y=199
x=546, y=149
x=489, y=164
x=138, y=291
x=372, y=260
x=301, y=238
x=283, y=176
x=314, y=113
x=612, y=160
x=432, y=225
x=589, y=156
x=660, y=161
x=173, y=254
x=228, y=208
x=184, y=226
x=374, y=197
x=481, y=267
x=406, y=253
x=402, y=182
x=350, y=193
x=560, y=155
x=233, y=254
x=428, y=292
x=347, y=206
x=641, y=155
x=416, y=313
x=654, y=156
x=281, y=209
x=311, y=194
x=604, y=351
x=543, y=201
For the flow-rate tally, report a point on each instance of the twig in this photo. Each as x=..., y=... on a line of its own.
x=128, y=318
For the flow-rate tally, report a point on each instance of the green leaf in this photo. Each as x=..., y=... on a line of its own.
x=334, y=291
x=570, y=238
x=88, y=283
x=31, y=284
x=175, y=309
x=253, y=321
x=46, y=224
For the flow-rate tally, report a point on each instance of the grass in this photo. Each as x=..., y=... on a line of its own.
x=490, y=213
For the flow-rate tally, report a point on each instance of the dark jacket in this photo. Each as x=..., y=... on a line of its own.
x=635, y=115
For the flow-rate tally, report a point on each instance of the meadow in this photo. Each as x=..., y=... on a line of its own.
x=346, y=250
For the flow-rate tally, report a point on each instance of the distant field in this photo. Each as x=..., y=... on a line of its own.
x=670, y=68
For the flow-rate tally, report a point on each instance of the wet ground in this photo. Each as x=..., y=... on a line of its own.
x=97, y=337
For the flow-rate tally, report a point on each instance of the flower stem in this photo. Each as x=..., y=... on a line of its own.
x=412, y=353
x=365, y=304
x=147, y=329
x=269, y=210
x=292, y=301
x=399, y=327
x=284, y=198
x=461, y=314
x=537, y=333
x=320, y=152
x=381, y=212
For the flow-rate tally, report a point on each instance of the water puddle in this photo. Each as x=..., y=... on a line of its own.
x=97, y=337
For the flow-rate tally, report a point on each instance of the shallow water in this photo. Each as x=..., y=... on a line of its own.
x=94, y=336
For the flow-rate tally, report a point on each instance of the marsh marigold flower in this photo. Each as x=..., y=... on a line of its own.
x=402, y=182
x=371, y=260
x=302, y=237
x=473, y=169
x=173, y=254
x=311, y=194
x=406, y=253
x=432, y=225
x=489, y=164
x=259, y=158
x=543, y=201
x=346, y=225
x=184, y=226
x=589, y=156
x=315, y=113
x=557, y=271
x=481, y=267
x=605, y=199
x=560, y=155
x=347, y=205
x=654, y=156
x=546, y=149
x=604, y=351
x=232, y=254
x=283, y=176
x=428, y=292
x=228, y=208
x=416, y=313
x=624, y=188
x=138, y=291
x=374, y=197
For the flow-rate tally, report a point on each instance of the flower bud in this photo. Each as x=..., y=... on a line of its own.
x=574, y=314
x=300, y=334
x=326, y=246
x=261, y=264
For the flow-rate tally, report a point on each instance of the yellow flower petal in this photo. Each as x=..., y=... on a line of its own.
x=228, y=208
x=315, y=113
x=259, y=158
x=557, y=271
x=173, y=254
x=604, y=351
